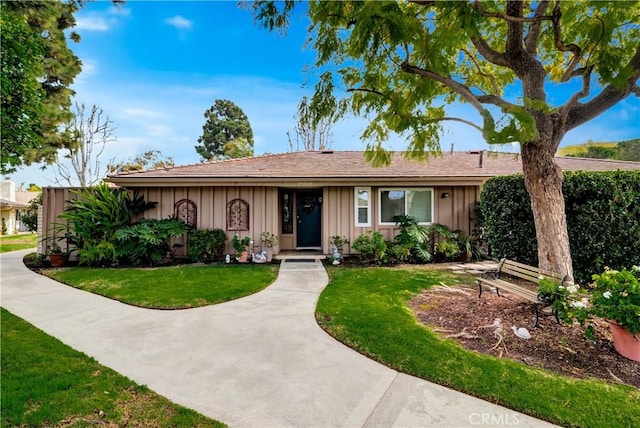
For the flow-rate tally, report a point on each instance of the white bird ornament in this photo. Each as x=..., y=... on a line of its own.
x=521, y=332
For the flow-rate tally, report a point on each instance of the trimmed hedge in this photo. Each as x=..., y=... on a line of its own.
x=603, y=218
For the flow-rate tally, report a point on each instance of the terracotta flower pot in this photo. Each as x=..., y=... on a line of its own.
x=244, y=257
x=626, y=345
x=56, y=260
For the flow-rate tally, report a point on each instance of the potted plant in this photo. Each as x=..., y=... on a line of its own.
x=338, y=242
x=616, y=298
x=269, y=240
x=55, y=254
x=240, y=246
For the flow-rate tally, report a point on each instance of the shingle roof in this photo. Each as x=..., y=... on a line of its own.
x=350, y=165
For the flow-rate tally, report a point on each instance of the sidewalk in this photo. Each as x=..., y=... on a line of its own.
x=260, y=361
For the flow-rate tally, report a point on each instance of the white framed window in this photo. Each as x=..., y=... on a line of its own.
x=414, y=202
x=363, y=206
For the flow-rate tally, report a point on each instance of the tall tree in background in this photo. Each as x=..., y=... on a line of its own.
x=87, y=134
x=313, y=130
x=226, y=133
x=403, y=62
x=37, y=71
x=148, y=160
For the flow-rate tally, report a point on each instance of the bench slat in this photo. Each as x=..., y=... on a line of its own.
x=534, y=271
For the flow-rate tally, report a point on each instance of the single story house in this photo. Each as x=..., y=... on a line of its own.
x=13, y=204
x=305, y=198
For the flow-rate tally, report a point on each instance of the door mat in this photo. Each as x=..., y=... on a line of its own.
x=300, y=260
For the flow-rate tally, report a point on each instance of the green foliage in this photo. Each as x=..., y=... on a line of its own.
x=94, y=217
x=603, y=212
x=226, y=133
x=616, y=297
x=568, y=300
x=628, y=150
x=4, y=226
x=30, y=218
x=147, y=242
x=449, y=250
x=338, y=241
x=38, y=69
x=418, y=238
x=148, y=160
x=206, y=246
x=371, y=247
x=240, y=244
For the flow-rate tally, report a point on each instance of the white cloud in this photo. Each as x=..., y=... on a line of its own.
x=179, y=22
x=92, y=23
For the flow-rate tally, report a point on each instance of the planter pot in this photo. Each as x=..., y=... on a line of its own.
x=244, y=257
x=625, y=344
x=269, y=254
x=56, y=260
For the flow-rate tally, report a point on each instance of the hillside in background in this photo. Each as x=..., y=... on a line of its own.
x=628, y=150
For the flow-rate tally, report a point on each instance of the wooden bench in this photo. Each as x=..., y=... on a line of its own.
x=522, y=271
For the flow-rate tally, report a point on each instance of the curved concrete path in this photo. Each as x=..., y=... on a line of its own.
x=260, y=361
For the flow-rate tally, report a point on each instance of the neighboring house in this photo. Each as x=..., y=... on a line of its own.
x=13, y=204
x=307, y=197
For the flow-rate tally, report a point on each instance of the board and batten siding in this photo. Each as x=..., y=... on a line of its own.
x=455, y=211
x=338, y=211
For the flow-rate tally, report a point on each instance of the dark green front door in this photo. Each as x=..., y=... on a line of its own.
x=309, y=217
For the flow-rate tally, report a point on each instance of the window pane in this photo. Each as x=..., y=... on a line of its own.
x=391, y=205
x=363, y=217
x=363, y=198
x=419, y=205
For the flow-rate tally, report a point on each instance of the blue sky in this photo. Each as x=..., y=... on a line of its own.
x=154, y=67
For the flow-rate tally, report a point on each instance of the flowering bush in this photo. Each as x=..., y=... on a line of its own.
x=569, y=302
x=616, y=297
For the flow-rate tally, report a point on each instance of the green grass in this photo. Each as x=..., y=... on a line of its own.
x=18, y=242
x=46, y=383
x=177, y=287
x=366, y=308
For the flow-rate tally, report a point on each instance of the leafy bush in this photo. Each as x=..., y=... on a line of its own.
x=603, y=220
x=371, y=247
x=147, y=242
x=449, y=250
x=206, y=246
x=97, y=213
x=101, y=253
x=419, y=239
x=30, y=217
x=397, y=253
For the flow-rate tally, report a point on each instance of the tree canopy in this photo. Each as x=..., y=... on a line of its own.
x=37, y=70
x=226, y=133
x=401, y=63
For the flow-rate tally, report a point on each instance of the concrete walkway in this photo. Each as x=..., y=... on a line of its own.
x=260, y=361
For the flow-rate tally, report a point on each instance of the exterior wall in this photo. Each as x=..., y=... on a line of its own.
x=338, y=210
x=455, y=211
x=53, y=203
x=211, y=204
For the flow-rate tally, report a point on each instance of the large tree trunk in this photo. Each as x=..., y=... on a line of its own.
x=543, y=179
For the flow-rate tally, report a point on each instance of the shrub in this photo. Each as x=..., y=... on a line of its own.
x=449, y=250
x=397, y=253
x=603, y=220
x=418, y=239
x=97, y=213
x=371, y=247
x=206, y=246
x=148, y=242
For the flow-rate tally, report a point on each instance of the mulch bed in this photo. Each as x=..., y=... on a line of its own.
x=474, y=322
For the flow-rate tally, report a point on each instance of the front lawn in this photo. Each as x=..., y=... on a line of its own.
x=366, y=308
x=46, y=383
x=23, y=241
x=176, y=287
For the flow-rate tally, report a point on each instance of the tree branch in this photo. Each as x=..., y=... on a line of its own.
x=507, y=17
x=457, y=119
x=481, y=73
x=373, y=91
x=559, y=43
x=515, y=28
x=610, y=96
x=531, y=40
